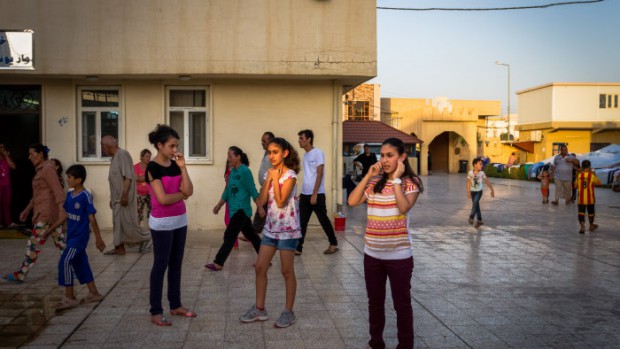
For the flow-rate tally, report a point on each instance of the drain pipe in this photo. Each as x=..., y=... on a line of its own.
x=336, y=153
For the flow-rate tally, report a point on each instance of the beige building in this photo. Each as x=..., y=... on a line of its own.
x=220, y=72
x=585, y=116
x=449, y=128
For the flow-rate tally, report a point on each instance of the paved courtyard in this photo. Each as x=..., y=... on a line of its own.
x=525, y=279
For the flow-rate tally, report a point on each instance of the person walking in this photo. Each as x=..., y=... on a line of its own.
x=282, y=230
x=239, y=189
x=312, y=198
x=584, y=184
x=143, y=194
x=170, y=186
x=390, y=189
x=562, y=174
x=6, y=165
x=74, y=260
x=47, y=204
x=475, y=181
x=259, y=222
x=123, y=200
x=365, y=160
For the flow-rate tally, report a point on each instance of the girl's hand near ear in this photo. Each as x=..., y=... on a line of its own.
x=374, y=170
x=400, y=169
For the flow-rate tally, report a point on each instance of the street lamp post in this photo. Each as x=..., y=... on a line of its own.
x=508, y=110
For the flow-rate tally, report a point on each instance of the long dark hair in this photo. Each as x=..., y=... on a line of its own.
x=244, y=157
x=292, y=160
x=400, y=147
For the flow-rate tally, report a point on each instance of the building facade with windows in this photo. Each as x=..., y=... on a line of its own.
x=584, y=116
x=221, y=73
x=363, y=103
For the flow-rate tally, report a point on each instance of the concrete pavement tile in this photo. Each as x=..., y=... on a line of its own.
x=13, y=339
x=272, y=333
x=48, y=340
x=243, y=345
x=284, y=344
x=313, y=333
x=325, y=343
x=251, y=333
x=211, y=344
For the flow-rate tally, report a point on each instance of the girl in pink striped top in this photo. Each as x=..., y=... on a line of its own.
x=390, y=189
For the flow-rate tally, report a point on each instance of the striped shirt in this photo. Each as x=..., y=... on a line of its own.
x=387, y=236
x=585, y=183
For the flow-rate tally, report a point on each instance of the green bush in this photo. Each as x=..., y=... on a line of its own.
x=509, y=173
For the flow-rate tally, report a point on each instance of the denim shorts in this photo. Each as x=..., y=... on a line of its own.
x=287, y=244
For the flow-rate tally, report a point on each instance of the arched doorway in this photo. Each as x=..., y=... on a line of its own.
x=446, y=151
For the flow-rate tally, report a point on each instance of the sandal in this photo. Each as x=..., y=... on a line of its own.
x=331, y=250
x=162, y=321
x=67, y=303
x=213, y=267
x=90, y=298
x=187, y=313
x=593, y=227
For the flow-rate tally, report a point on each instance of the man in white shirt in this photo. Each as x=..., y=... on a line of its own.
x=562, y=174
x=312, y=198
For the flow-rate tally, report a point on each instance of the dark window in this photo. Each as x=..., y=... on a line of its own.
x=602, y=99
x=556, y=148
x=608, y=101
x=616, y=101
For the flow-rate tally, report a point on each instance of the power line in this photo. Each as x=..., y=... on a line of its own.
x=490, y=8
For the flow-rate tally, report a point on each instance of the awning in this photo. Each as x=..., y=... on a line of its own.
x=354, y=131
x=527, y=146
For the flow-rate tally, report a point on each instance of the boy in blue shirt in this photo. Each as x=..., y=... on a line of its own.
x=74, y=261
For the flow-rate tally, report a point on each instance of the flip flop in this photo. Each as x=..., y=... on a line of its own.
x=213, y=267
x=162, y=322
x=188, y=313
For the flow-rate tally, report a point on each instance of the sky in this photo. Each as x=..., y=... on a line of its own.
x=453, y=54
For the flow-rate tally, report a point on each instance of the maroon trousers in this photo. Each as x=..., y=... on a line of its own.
x=376, y=272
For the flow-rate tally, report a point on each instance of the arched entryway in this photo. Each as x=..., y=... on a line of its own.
x=446, y=151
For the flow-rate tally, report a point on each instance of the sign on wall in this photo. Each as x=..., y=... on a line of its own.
x=16, y=52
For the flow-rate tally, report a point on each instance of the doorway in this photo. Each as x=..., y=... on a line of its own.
x=20, y=126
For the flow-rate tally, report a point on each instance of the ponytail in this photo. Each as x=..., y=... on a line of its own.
x=244, y=157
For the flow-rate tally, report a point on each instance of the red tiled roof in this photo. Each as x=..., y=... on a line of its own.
x=354, y=131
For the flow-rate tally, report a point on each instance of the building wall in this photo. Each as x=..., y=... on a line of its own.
x=428, y=119
x=271, y=65
x=197, y=37
x=567, y=102
x=241, y=112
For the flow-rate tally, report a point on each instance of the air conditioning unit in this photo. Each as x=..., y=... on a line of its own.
x=536, y=136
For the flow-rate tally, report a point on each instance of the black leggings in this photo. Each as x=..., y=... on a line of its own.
x=238, y=222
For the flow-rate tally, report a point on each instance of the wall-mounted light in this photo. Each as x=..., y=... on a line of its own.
x=92, y=77
x=184, y=77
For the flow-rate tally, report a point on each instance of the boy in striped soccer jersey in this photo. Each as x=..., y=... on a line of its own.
x=585, y=182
